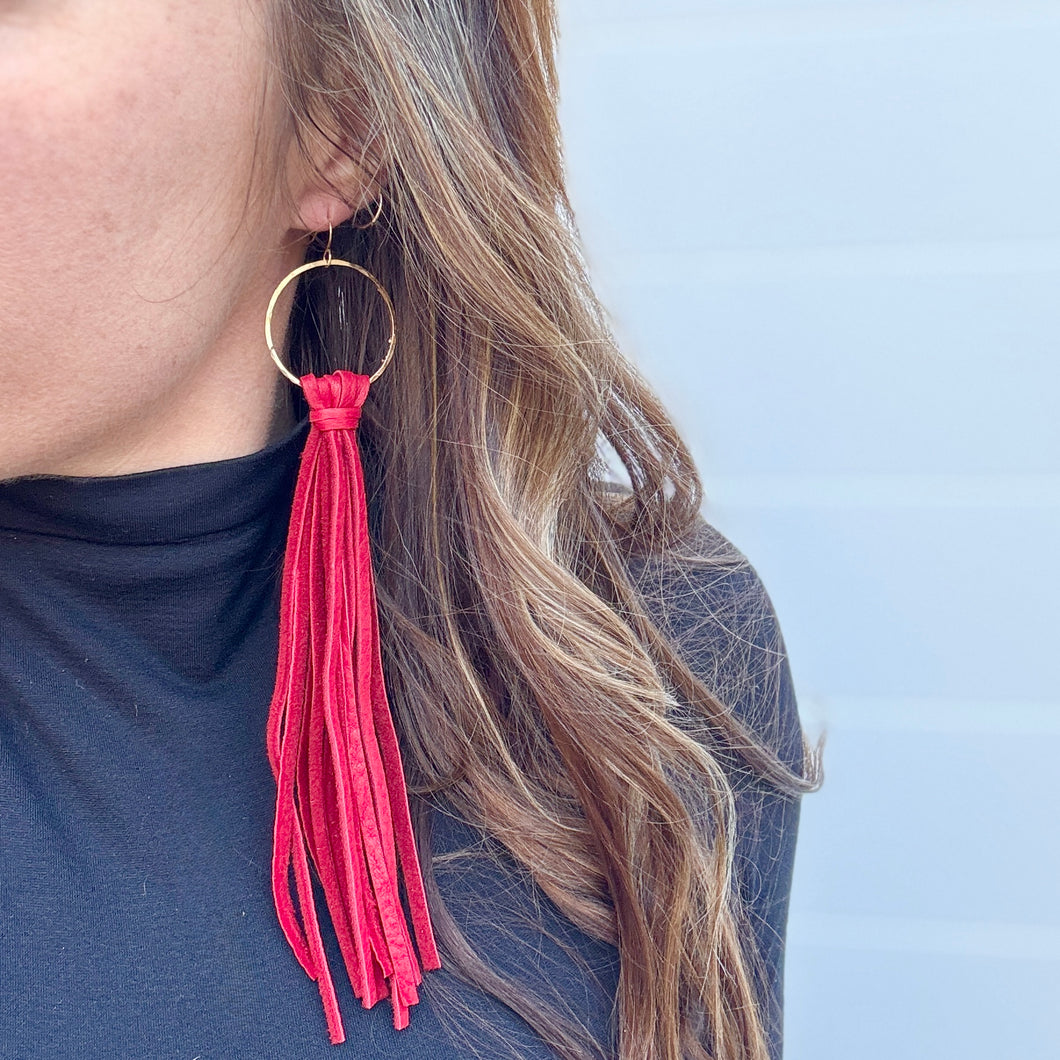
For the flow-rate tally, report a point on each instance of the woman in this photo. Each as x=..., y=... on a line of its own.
x=595, y=711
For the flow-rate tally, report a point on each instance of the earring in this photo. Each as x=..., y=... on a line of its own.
x=341, y=797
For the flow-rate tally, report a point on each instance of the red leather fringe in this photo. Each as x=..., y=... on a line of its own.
x=341, y=797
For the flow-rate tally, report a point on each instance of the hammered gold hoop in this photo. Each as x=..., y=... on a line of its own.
x=325, y=263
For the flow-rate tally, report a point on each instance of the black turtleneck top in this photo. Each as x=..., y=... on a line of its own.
x=138, y=633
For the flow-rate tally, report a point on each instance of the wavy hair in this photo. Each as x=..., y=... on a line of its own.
x=531, y=687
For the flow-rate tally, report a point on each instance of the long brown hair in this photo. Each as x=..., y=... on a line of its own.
x=530, y=684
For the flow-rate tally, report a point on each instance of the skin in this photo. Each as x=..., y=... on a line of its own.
x=151, y=199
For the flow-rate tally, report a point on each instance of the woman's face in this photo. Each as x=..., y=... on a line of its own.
x=138, y=252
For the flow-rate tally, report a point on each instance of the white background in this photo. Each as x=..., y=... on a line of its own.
x=830, y=235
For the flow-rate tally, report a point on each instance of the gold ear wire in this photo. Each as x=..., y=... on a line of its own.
x=325, y=262
x=375, y=217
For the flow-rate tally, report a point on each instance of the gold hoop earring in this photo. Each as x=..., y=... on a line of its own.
x=375, y=217
x=326, y=262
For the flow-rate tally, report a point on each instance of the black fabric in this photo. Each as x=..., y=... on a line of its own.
x=138, y=624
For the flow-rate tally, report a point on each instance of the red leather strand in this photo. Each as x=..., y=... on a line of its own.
x=341, y=799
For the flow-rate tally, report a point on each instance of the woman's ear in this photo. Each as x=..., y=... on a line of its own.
x=331, y=188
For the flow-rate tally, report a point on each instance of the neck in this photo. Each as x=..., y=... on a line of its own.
x=229, y=403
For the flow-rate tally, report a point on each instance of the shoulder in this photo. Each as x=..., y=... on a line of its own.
x=709, y=601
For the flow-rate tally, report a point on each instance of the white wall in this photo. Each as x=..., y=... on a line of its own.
x=830, y=233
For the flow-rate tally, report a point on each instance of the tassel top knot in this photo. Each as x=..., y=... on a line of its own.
x=334, y=419
x=335, y=400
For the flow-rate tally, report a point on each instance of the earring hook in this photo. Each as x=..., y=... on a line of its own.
x=375, y=216
x=327, y=250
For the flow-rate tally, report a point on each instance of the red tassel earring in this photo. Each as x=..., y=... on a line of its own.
x=341, y=800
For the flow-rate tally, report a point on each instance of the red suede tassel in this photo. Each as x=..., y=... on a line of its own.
x=341, y=794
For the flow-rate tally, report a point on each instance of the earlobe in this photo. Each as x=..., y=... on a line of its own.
x=319, y=209
x=333, y=193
